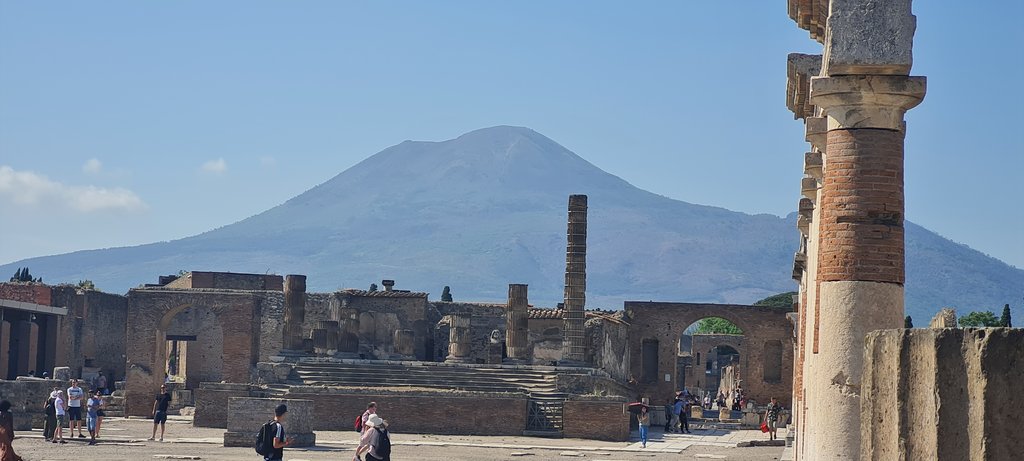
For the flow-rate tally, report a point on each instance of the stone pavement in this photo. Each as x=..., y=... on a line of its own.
x=124, y=439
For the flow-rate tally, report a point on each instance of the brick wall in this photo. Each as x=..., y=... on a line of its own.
x=862, y=207
x=93, y=332
x=599, y=419
x=36, y=293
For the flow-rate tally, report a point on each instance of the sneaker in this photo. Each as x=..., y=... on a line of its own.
x=92, y=442
x=63, y=441
x=54, y=440
x=81, y=436
x=161, y=439
x=150, y=439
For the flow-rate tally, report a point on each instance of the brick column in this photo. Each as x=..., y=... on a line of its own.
x=516, y=326
x=574, y=347
x=860, y=261
x=294, y=311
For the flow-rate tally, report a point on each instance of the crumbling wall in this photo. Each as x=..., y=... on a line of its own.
x=943, y=394
x=93, y=334
x=544, y=343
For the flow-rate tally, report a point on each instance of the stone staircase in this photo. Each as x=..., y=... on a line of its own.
x=113, y=404
x=385, y=375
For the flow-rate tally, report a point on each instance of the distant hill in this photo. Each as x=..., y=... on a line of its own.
x=488, y=208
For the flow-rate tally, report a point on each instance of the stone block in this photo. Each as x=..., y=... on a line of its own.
x=869, y=37
x=724, y=414
x=945, y=318
x=696, y=412
x=246, y=414
x=943, y=394
x=62, y=373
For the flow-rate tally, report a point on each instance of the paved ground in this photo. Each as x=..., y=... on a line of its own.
x=125, y=440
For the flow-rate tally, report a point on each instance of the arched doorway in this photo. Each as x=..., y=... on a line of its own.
x=710, y=348
x=190, y=342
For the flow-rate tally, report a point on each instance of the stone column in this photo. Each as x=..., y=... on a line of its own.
x=294, y=311
x=325, y=338
x=459, y=341
x=860, y=263
x=516, y=323
x=574, y=346
x=405, y=344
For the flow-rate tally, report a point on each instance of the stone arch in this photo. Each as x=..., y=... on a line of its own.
x=666, y=321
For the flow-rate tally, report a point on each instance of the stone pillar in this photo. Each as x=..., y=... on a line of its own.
x=325, y=338
x=294, y=311
x=516, y=323
x=405, y=344
x=574, y=347
x=348, y=336
x=459, y=341
x=5, y=347
x=860, y=261
x=388, y=284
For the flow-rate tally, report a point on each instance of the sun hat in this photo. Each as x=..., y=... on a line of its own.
x=373, y=420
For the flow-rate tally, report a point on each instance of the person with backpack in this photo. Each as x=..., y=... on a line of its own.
x=375, y=441
x=49, y=408
x=271, y=440
x=371, y=409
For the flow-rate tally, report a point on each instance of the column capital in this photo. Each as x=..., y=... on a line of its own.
x=867, y=101
x=815, y=129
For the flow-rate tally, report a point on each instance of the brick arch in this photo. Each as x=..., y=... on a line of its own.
x=151, y=312
x=666, y=321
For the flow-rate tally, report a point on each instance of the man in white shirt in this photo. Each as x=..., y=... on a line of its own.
x=75, y=397
x=58, y=405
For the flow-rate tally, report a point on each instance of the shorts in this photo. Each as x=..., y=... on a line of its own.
x=160, y=417
x=61, y=419
x=74, y=413
x=773, y=424
x=90, y=423
x=100, y=413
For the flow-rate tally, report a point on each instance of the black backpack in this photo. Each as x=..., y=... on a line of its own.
x=265, y=438
x=383, y=443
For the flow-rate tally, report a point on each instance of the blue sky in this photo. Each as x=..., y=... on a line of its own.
x=130, y=122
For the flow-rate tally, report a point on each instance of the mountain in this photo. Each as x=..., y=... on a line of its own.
x=489, y=207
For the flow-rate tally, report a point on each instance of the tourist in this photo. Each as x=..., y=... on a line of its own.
x=668, y=415
x=684, y=416
x=371, y=409
x=280, y=412
x=101, y=383
x=707, y=401
x=49, y=425
x=160, y=404
x=100, y=414
x=92, y=410
x=771, y=416
x=677, y=410
x=7, y=433
x=60, y=411
x=75, y=397
x=375, y=441
x=643, y=421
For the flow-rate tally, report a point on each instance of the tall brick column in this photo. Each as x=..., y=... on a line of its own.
x=294, y=311
x=516, y=326
x=574, y=348
x=860, y=264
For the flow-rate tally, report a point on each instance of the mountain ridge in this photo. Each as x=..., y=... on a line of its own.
x=488, y=208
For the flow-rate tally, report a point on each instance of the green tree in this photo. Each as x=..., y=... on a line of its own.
x=373, y=287
x=782, y=300
x=717, y=325
x=86, y=285
x=908, y=322
x=1005, y=319
x=23, y=275
x=979, y=319
x=446, y=294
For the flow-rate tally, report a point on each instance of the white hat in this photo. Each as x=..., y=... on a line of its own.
x=54, y=394
x=373, y=420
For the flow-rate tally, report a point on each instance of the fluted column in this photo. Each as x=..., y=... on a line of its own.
x=574, y=347
x=459, y=342
x=294, y=311
x=516, y=323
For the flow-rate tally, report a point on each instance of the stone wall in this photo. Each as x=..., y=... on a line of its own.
x=212, y=402
x=594, y=418
x=270, y=315
x=247, y=414
x=228, y=281
x=943, y=394
x=608, y=347
x=27, y=396
x=544, y=343
x=93, y=333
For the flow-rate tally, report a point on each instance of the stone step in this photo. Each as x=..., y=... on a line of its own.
x=412, y=379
